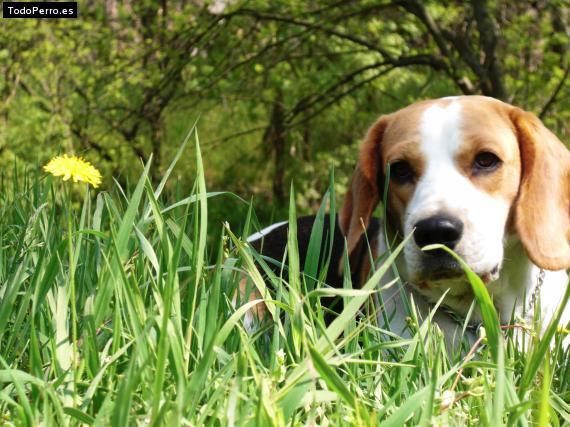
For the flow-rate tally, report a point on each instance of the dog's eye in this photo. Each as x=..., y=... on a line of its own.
x=401, y=172
x=486, y=162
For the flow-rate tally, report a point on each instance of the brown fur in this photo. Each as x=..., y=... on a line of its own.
x=542, y=215
x=247, y=293
x=490, y=129
x=363, y=194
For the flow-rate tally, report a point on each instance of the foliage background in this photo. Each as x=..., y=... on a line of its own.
x=115, y=310
x=283, y=89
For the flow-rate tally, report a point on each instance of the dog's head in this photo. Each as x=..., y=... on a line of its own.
x=465, y=172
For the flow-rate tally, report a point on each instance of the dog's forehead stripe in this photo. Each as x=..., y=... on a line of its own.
x=440, y=132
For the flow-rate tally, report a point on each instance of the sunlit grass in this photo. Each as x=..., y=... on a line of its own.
x=157, y=340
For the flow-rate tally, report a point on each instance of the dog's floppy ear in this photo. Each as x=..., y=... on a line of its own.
x=542, y=211
x=364, y=193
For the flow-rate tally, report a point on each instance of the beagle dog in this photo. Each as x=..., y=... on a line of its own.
x=484, y=178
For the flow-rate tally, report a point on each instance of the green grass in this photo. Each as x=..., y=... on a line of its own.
x=151, y=336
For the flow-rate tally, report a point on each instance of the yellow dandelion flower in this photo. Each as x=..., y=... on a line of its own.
x=74, y=167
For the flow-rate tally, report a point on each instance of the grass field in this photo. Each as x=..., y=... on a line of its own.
x=115, y=310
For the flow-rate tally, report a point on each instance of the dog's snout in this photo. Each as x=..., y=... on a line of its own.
x=441, y=229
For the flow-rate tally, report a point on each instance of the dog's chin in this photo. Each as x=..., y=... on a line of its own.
x=447, y=269
x=442, y=267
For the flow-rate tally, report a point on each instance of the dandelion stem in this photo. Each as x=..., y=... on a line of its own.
x=72, y=299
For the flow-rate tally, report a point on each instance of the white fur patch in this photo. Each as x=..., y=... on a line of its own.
x=265, y=231
x=443, y=189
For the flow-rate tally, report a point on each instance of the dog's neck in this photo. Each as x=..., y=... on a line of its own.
x=521, y=280
x=517, y=284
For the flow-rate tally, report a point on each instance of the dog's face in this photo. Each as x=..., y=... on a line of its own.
x=464, y=172
x=452, y=180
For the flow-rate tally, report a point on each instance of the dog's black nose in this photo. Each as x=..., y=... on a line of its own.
x=441, y=229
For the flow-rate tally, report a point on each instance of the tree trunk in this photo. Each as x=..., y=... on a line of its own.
x=156, y=143
x=275, y=143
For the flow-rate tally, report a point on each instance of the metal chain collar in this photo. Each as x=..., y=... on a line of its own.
x=531, y=303
x=536, y=290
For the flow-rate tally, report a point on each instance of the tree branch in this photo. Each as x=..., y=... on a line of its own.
x=440, y=38
x=308, y=101
x=306, y=24
x=555, y=93
x=339, y=97
x=488, y=38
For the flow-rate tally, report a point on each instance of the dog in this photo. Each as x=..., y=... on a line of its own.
x=482, y=177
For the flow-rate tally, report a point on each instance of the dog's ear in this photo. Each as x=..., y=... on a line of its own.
x=542, y=211
x=364, y=193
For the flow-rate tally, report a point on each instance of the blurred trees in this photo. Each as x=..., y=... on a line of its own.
x=283, y=88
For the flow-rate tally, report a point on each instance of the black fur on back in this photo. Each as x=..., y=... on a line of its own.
x=274, y=244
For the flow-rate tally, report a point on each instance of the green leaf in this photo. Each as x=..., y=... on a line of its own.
x=334, y=382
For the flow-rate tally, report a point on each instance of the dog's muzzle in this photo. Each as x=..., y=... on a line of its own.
x=442, y=229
